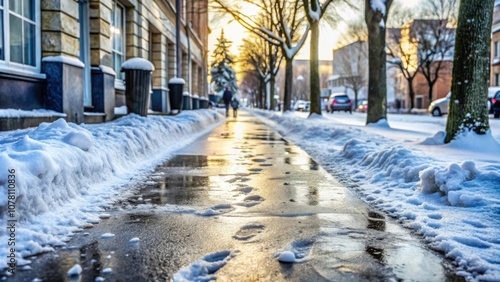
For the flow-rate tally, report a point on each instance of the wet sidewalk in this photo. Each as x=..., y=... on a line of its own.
x=246, y=194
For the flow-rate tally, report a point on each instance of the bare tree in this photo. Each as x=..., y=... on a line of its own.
x=351, y=56
x=436, y=39
x=251, y=85
x=376, y=12
x=252, y=64
x=435, y=46
x=402, y=50
x=262, y=57
x=356, y=31
x=352, y=63
x=442, y=10
x=283, y=26
x=468, y=111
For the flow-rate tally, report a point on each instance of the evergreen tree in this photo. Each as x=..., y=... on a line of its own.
x=222, y=72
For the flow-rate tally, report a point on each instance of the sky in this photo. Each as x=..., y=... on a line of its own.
x=447, y=193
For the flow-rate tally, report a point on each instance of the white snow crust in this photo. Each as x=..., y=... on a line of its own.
x=67, y=174
x=447, y=193
x=138, y=64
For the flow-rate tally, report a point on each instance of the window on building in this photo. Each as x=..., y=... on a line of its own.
x=495, y=49
x=19, y=32
x=22, y=32
x=118, y=39
x=496, y=79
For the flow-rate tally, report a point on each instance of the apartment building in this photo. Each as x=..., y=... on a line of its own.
x=66, y=55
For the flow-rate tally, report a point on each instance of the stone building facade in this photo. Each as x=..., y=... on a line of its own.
x=66, y=55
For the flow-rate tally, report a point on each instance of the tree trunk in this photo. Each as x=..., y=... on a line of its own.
x=272, y=79
x=288, y=84
x=412, y=93
x=264, y=95
x=260, y=94
x=377, y=78
x=355, y=89
x=272, y=83
x=314, y=87
x=431, y=86
x=469, y=86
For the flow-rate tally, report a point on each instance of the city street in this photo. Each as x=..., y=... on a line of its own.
x=229, y=205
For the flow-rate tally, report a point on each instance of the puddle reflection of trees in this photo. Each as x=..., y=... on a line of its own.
x=376, y=222
x=304, y=161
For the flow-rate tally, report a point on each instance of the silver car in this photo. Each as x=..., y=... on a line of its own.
x=439, y=107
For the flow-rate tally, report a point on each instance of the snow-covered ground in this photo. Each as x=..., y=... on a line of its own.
x=66, y=174
x=62, y=175
x=450, y=194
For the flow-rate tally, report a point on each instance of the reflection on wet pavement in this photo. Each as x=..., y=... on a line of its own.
x=244, y=188
x=376, y=221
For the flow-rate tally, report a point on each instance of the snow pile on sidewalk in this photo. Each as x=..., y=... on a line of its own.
x=454, y=205
x=65, y=173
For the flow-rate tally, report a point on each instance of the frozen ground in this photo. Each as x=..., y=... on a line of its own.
x=450, y=194
x=65, y=174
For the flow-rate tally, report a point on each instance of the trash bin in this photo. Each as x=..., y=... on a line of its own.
x=203, y=102
x=175, y=87
x=187, y=103
x=137, y=85
x=196, y=102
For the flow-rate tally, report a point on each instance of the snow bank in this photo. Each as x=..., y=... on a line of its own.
x=65, y=173
x=453, y=205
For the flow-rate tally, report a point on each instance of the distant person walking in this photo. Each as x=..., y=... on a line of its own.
x=235, y=104
x=226, y=97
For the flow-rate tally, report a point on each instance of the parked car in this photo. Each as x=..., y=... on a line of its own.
x=339, y=102
x=439, y=107
x=301, y=105
x=492, y=93
x=495, y=104
x=305, y=107
x=363, y=107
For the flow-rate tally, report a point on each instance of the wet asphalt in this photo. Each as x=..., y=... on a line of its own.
x=245, y=189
